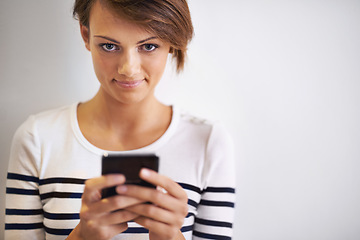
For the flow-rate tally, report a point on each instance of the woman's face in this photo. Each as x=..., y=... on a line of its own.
x=128, y=60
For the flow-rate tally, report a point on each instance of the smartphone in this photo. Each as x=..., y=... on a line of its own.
x=129, y=166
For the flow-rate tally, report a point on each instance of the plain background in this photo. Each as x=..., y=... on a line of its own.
x=283, y=76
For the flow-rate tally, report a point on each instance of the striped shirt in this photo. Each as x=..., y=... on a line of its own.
x=50, y=160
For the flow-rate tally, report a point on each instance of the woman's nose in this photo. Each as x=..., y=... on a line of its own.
x=129, y=64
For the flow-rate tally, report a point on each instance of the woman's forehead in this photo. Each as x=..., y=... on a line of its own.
x=103, y=20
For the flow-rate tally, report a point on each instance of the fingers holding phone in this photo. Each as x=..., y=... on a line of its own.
x=165, y=216
x=166, y=213
x=103, y=218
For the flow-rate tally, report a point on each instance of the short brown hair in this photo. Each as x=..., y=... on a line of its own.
x=170, y=20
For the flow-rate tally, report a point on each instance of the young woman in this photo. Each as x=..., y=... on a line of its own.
x=54, y=183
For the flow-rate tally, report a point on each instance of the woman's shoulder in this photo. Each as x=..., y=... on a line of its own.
x=53, y=113
x=191, y=119
x=212, y=128
x=46, y=120
x=197, y=120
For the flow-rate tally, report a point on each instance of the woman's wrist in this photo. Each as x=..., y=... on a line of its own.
x=75, y=234
x=180, y=236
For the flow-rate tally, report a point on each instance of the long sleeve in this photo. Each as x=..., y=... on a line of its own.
x=24, y=214
x=216, y=208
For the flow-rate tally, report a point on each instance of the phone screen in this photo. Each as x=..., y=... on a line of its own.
x=130, y=166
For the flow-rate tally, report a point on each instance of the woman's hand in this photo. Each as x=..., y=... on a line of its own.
x=165, y=216
x=103, y=218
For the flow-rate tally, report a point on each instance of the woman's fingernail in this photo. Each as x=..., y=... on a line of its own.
x=120, y=178
x=145, y=172
x=163, y=190
x=121, y=189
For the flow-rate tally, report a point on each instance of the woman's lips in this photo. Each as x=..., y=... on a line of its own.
x=129, y=84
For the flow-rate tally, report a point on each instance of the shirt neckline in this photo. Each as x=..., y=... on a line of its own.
x=147, y=149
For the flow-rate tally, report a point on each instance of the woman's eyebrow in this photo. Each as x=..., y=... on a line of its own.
x=113, y=40
x=107, y=38
x=145, y=40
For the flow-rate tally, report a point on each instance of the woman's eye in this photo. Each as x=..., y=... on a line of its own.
x=109, y=47
x=149, y=47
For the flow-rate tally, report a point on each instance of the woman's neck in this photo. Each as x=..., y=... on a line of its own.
x=103, y=116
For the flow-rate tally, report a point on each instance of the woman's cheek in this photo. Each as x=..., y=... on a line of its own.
x=155, y=65
x=103, y=67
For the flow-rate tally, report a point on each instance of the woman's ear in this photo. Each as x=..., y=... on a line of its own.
x=85, y=33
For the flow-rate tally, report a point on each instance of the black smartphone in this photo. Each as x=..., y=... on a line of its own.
x=129, y=165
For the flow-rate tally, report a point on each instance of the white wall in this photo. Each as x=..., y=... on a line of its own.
x=284, y=76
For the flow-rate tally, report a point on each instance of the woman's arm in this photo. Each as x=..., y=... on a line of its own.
x=216, y=209
x=24, y=213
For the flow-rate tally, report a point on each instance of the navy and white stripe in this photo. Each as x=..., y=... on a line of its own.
x=77, y=195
